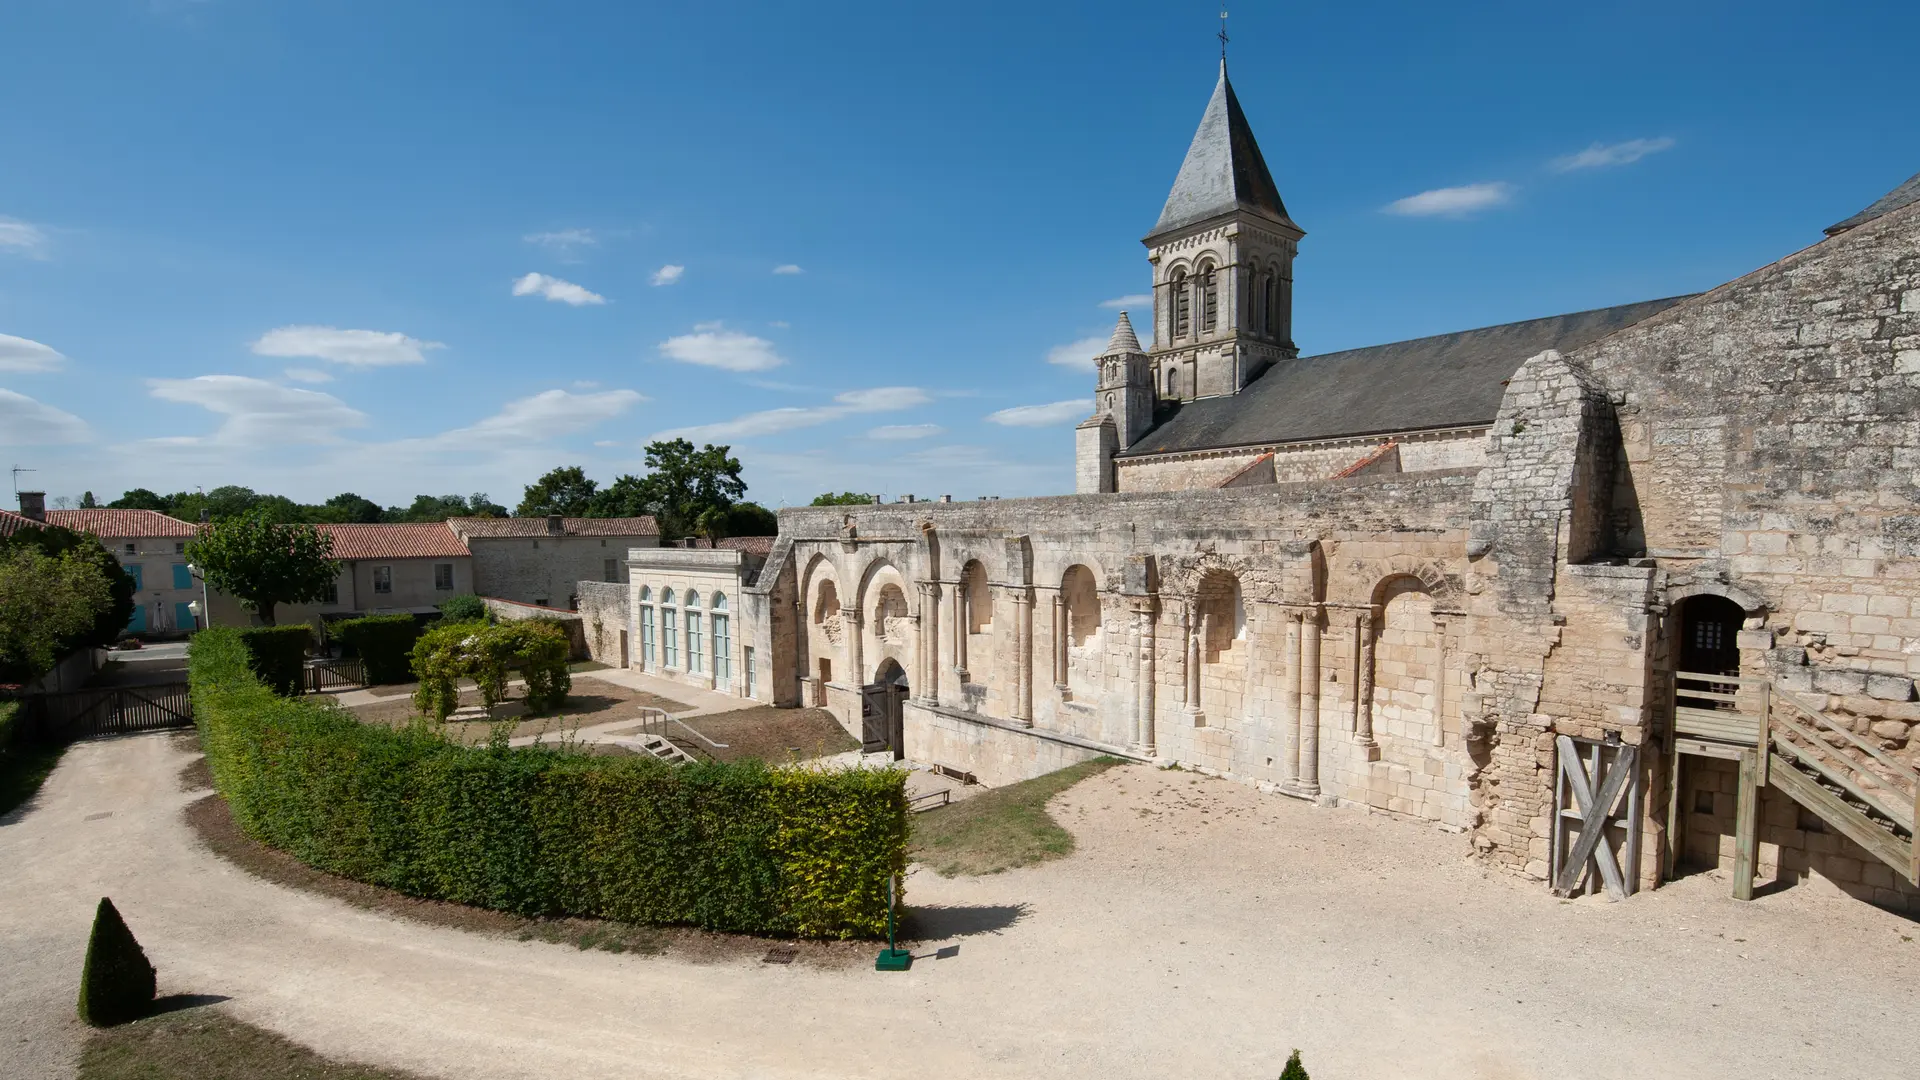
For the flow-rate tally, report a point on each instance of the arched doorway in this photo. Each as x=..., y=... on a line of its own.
x=1703, y=802
x=1709, y=635
x=882, y=703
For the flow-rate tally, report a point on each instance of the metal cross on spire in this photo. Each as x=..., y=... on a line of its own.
x=1223, y=35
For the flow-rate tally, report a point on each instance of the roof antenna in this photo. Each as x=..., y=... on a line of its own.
x=17, y=470
x=1223, y=37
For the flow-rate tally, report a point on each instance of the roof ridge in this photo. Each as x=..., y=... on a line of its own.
x=1670, y=300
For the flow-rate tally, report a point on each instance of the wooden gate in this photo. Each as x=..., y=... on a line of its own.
x=325, y=676
x=1596, y=818
x=79, y=714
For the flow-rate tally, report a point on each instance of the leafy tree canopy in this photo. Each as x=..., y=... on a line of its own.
x=55, y=542
x=264, y=562
x=141, y=499
x=845, y=498
x=49, y=604
x=349, y=508
x=87, y=501
x=565, y=490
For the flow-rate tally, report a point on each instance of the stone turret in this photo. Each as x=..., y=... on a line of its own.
x=1122, y=409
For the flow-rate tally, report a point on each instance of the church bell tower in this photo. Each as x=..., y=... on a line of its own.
x=1222, y=255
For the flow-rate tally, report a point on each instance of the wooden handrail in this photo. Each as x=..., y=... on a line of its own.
x=1736, y=680
x=1821, y=719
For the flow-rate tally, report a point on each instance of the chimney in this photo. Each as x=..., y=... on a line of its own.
x=946, y=498
x=556, y=525
x=908, y=498
x=33, y=504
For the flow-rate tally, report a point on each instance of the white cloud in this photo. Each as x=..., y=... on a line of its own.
x=1060, y=412
x=545, y=415
x=566, y=292
x=26, y=422
x=21, y=238
x=354, y=348
x=22, y=354
x=788, y=268
x=901, y=432
x=563, y=242
x=258, y=412
x=1452, y=201
x=1079, y=354
x=1602, y=155
x=1131, y=301
x=728, y=350
x=668, y=274
x=793, y=418
x=307, y=375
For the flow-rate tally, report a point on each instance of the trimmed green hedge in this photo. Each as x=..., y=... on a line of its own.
x=544, y=831
x=278, y=655
x=11, y=718
x=116, y=980
x=384, y=644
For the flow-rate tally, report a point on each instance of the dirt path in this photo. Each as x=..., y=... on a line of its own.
x=1202, y=930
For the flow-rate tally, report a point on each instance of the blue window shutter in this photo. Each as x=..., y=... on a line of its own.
x=183, y=615
x=134, y=569
x=181, y=578
x=138, y=623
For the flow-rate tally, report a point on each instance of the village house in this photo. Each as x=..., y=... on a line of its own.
x=151, y=548
x=538, y=560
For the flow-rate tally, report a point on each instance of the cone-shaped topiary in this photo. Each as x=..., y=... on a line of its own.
x=1294, y=1070
x=116, y=983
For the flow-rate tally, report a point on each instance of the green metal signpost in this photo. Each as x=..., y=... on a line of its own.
x=891, y=958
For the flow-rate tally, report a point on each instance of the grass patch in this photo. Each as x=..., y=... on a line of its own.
x=999, y=829
x=22, y=770
x=206, y=1044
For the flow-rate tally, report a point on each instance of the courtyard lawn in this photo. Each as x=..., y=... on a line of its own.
x=206, y=1044
x=999, y=829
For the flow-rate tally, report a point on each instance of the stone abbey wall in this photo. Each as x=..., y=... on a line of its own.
x=1300, y=462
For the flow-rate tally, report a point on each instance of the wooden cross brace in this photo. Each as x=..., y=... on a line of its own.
x=1594, y=811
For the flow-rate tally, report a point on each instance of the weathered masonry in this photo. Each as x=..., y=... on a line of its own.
x=1615, y=592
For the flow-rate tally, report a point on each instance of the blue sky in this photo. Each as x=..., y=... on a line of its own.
x=402, y=248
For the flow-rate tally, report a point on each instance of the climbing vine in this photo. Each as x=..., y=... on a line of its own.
x=487, y=654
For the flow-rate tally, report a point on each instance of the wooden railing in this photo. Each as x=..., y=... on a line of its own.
x=325, y=676
x=1898, y=801
x=1722, y=724
x=80, y=714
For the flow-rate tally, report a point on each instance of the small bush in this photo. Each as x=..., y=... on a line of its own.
x=384, y=644
x=278, y=655
x=541, y=831
x=116, y=981
x=485, y=653
x=1294, y=1070
x=463, y=608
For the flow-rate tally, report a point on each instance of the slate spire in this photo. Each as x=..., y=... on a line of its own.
x=1223, y=171
x=1123, y=342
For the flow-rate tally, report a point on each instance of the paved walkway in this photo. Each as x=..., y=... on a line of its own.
x=1202, y=930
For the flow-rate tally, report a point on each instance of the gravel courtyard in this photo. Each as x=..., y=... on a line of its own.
x=1202, y=930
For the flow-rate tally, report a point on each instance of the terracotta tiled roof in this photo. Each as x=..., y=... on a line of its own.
x=118, y=523
x=537, y=526
x=752, y=545
x=395, y=541
x=11, y=522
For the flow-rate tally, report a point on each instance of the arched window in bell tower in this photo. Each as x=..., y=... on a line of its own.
x=1173, y=384
x=1181, y=318
x=1209, y=298
x=1269, y=290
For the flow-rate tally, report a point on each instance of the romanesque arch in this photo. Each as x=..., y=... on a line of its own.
x=1408, y=665
x=1079, y=638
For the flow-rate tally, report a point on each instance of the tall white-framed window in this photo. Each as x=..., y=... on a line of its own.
x=669, y=631
x=746, y=662
x=722, y=643
x=646, y=629
x=693, y=632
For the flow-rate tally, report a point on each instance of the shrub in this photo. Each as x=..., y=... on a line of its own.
x=10, y=723
x=463, y=608
x=384, y=644
x=545, y=831
x=116, y=981
x=485, y=653
x=278, y=655
x=1294, y=1070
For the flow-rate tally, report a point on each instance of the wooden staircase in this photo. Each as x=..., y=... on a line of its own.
x=1781, y=739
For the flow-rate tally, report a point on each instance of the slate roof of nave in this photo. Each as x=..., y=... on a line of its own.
x=1444, y=381
x=1904, y=195
x=1223, y=170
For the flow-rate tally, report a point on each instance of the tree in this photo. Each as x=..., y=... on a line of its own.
x=442, y=507
x=87, y=502
x=263, y=562
x=141, y=499
x=56, y=542
x=845, y=498
x=685, y=487
x=750, y=519
x=1294, y=1070
x=565, y=490
x=350, y=508
x=49, y=604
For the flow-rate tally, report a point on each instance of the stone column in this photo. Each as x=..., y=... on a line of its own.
x=927, y=680
x=1143, y=678
x=1023, y=647
x=1363, y=693
x=1440, y=685
x=962, y=623
x=1192, y=679
x=1290, y=702
x=1059, y=641
x=1310, y=702
x=850, y=619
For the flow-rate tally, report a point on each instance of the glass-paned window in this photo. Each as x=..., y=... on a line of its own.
x=610, y=569
x=383, y=579
x=746, y=661
x=646, y=637
x=333, y=592
x=443, y=576
x=722, y=649
x=670, y=636
x=719, y=601
x=693, y=639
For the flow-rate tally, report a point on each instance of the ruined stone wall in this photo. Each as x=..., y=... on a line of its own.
x=1301, y=462
x=607, y=618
